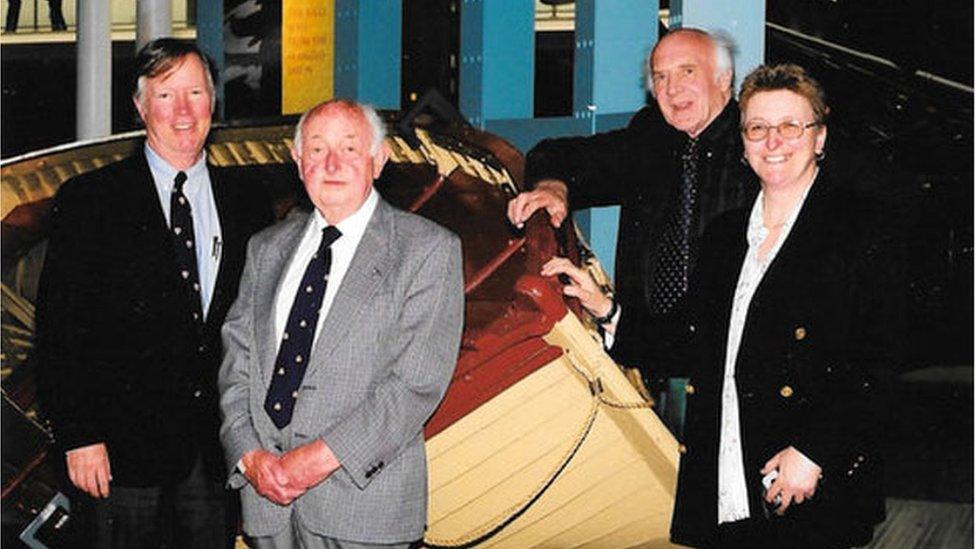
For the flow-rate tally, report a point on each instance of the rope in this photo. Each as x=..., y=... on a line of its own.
x=596, y=388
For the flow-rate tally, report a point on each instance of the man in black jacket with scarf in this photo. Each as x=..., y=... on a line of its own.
x=673, y=169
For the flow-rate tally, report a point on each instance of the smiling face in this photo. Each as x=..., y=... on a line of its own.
x=176, y=108
x=685, y=84
x=335, y=162
x=782, y=163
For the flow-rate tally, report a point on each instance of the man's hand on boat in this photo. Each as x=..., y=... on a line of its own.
x=550, y=194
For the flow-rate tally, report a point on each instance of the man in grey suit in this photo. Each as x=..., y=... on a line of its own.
x=339, y=347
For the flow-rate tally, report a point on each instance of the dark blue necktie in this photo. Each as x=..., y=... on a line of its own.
x=675, y=246
x=296, y=341
x=181, y=224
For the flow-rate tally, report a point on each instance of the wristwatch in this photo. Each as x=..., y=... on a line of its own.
x=614, y=307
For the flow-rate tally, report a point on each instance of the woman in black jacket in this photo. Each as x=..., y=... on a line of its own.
x=800, y=314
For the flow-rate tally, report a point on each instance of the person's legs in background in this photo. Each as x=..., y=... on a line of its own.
x=13, y=15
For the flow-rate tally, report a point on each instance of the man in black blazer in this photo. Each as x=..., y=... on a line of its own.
x=143, y=263
x=681, y=154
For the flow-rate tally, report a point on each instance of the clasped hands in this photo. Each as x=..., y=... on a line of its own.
x=284, y=478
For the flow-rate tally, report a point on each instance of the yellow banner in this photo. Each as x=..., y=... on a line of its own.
x=307, y=51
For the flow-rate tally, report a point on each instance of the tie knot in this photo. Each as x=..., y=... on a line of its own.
x=691, y=148
x=179, y=181
x=329, y=235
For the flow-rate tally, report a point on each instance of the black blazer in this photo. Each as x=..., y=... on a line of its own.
x=119, y=357
x=823, y=332
x=639, y=169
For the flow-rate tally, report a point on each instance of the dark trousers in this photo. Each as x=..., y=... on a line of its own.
x=13, y=15
x=57, y=16
x=193, y=513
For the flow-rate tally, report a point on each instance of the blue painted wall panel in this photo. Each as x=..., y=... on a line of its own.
x=367, y=51
x=584, y=62
x=380, y=38
x=470, y=70
x=346, y=50
x=509, y=58
x=743, y=20
x=524, y=133
x=624, y=32
x=497, y=59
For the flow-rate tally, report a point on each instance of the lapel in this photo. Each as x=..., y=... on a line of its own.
x=792, y=263
x=146, y=211
x=733, y=252
x=781, y=294
x=372, y=261
x=272, y=268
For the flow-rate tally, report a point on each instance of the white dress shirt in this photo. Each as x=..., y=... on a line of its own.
x=206, y=222
x=343, y=250
x=352, y=229
x=733, y=497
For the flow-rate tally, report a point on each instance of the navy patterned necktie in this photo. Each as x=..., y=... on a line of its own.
x=181, y=225
x=675, y=247
x=296, y=341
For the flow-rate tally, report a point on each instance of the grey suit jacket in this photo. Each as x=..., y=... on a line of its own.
x=379, y=368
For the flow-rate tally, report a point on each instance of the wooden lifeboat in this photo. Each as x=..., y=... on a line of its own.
x=541, y=440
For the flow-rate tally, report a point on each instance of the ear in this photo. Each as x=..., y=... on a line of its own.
x=821, y=139
x=379, y=159
x=297, y=158
x=140, y=109
x=725, y=80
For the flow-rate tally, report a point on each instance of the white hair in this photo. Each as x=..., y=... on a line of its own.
x=722, y=45
x=724, y=52
x=377, y=127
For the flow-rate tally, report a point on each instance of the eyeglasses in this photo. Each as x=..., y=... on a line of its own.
x=790, y=129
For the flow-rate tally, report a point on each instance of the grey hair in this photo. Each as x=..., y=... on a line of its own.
x=722, y=44
x=377, y=127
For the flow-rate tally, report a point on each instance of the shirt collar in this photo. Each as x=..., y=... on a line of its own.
x=352, y=227
x=164, y=174
x=757, y=231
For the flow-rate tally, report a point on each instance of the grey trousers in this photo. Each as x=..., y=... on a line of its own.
x=300, y=536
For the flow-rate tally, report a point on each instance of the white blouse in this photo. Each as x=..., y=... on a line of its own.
x=733, y=498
